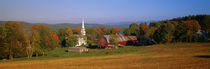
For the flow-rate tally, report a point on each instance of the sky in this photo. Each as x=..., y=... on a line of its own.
x=99, y=11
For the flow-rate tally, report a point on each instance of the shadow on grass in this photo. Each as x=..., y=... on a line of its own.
x=95, y=47
x=202, y=56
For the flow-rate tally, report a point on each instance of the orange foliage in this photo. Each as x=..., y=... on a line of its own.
x=190, y=21
x=199, y=27
x=18, y=43
x=55, y=36
x=34, y=27
x=116, y=30
x=77, y=30
x=101, y=29
x=194, y=24
x=144, y=26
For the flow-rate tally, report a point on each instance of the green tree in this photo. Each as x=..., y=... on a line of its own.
x=92, y=35
x=205, y=23
x=165, y=33
x=113, y=40
x=185, y=30
x=132, y=30
x=3, y=47
x=71, y=42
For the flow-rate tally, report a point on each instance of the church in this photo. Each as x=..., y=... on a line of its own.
x=82, y=39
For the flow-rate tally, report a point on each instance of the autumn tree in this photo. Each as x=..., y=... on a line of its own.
x=15, y=38
x=77, y=30
x=35, y=40
x=101, y=30
x=203, y=20
x=47, y=39
x=149, y=32
x=142, y=29
x=185, y=29
x=54, y=40
x=112, y=31
x=64, y=35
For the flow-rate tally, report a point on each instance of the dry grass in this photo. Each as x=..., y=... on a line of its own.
x=172, y=56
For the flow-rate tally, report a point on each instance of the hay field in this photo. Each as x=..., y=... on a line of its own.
x=168, y=56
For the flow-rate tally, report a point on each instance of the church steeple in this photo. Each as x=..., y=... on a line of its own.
x=83, y=27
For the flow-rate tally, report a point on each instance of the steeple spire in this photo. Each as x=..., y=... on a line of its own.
x=83, y=27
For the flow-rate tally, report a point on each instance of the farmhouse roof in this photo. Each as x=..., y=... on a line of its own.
x=120, y=37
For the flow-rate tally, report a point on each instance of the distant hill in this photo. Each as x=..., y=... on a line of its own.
x=70, y=25
x=204, y=21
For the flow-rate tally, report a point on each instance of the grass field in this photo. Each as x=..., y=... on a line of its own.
x=163, y=56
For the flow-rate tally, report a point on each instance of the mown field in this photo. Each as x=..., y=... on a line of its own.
x=162, y=56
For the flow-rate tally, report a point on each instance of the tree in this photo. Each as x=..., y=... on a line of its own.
x=71, y=42
x=3, y=47
x=77, y=30
x=54, y=40
x=149, y=32
x=92, y=35
x=132, y=30
x=16, y=39
x=142, y=29
x=205, y=23
x=101, y=30
x=35, y=39
x=113, y=40
x=65, y=34
x=185, y=30
x=47, y=40
x=203, y=20
x=165, y=33
x=111, y=31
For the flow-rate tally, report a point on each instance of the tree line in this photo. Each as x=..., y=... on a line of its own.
x=18, y=40
x=182, y=29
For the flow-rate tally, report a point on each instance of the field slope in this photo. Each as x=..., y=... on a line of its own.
x=168, y=56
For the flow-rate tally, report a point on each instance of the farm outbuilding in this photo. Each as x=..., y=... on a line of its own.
x=104, y=41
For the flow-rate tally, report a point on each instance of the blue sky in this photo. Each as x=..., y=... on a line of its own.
x=99, y=11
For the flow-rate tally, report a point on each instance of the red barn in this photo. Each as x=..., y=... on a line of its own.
x=122, y=40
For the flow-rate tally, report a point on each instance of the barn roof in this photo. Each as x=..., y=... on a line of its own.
x=120, y=37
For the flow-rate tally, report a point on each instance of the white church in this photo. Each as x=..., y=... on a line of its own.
x=82, y=39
